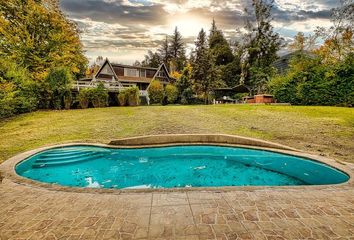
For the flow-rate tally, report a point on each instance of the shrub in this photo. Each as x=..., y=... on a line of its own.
x=240, y=96
x=187, y=96
x=171, y=92
x=7, y=99
x=17, y=90
x=57, y=85
x=133, y=96
x=129, y=96
x=122, y=98
x=310, y=82
x=84, y=98
x=68, y=99
x=156, y=92
x=99, y=96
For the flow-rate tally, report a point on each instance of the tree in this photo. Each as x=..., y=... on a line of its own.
x=137, y=64
x=302, y=43
x=202, y=67
x=261, y=44
x=185, y=82
x=185, y=85
x=151, y=60
x=219, y=46
x=231, y=73
x=57, y=85
x=37, y=35
x=164, y=52
x=17, y=93
x=310, y=82
x=93, y=68
x=338, y=39
x=177, y=50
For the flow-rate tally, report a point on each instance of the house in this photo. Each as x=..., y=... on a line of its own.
x=117, y=77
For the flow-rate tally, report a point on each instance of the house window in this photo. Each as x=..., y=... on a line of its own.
x=131, y=72
x=142, y=73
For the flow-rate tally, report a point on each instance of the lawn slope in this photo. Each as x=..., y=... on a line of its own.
x=328, y=131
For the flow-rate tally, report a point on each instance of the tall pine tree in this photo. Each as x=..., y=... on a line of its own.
x=164, y=52
x=219, y=46
x=261, y=46
x=177, y=51
x=203, y=68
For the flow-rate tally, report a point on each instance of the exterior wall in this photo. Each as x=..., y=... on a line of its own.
x=150, y=73
x=119, y=71
x=264, y=99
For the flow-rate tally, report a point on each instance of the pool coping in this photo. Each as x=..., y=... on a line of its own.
x=7, y=168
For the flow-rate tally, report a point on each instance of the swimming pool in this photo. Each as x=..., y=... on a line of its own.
x=174, y=167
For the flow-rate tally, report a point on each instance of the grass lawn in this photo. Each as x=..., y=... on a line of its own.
x=327, y=131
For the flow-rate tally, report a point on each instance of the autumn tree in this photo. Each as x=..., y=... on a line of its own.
x=94, y=67
x=338, y=39
x=37, y=35
x=302, y=43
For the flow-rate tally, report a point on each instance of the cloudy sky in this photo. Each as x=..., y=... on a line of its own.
x=124, y=30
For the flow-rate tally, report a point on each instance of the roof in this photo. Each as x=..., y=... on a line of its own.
x=134, y=79
x=241, y=88
x=264, y=95
x=129, y=66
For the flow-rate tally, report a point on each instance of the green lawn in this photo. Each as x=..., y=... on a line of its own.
x=327, y=131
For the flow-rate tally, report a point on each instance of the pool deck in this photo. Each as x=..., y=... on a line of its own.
x=37, y=211
x=28, y=212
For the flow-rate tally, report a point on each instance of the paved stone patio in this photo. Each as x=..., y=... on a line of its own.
x=28, y=212
x=32, y=210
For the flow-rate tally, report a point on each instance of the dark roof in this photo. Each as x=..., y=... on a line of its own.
x=129, y=66
x=241, y=88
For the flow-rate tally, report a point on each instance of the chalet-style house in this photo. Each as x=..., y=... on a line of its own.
x=117, y=77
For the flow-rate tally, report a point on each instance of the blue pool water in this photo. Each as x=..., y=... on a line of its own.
x=170, y=167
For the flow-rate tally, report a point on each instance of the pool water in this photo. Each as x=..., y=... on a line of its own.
x=174, y=167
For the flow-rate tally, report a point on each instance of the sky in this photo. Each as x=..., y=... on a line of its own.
x=124, y=30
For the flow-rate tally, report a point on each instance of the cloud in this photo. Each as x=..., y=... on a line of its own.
x=117, y=27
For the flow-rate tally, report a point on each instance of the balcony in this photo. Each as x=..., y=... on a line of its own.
x=111, y=87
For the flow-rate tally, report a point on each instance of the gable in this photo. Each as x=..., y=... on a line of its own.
x=162, y=74
x=106, y=72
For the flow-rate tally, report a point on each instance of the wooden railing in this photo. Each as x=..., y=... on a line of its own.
x=112, y=87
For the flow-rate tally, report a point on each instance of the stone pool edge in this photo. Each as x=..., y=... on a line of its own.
x=7, y=168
